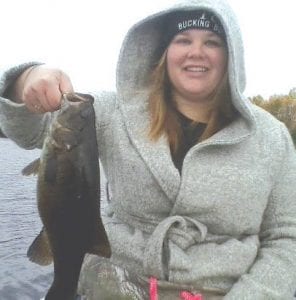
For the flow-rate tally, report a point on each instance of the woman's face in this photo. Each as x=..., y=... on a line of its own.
x=196, y=63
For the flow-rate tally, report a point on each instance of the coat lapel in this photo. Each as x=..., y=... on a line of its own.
x=156, y=155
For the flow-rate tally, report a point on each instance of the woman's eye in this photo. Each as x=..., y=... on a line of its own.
x=214, y=43
x=182, y=41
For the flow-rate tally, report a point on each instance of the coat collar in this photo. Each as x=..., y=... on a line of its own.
x=157, y=155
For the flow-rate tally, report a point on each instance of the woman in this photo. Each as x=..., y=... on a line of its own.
x=200, y=180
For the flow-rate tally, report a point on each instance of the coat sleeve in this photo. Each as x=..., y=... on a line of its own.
x=28, y=129
x=16, y=122
x=273, y=274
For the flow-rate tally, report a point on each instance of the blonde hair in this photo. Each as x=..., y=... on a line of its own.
x=163, y=117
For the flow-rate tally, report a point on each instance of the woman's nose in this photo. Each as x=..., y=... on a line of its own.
x=196, y=50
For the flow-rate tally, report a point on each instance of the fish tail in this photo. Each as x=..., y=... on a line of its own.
x=66, y=276
x=40, y=252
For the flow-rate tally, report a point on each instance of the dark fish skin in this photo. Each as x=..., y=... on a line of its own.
x=68, y=196
x=2, y=135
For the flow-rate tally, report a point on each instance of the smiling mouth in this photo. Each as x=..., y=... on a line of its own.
x=196, y=69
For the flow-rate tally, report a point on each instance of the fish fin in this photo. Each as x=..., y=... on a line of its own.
x=100, y=250
x=101, y=245
x=32, y=168
x=39, y=252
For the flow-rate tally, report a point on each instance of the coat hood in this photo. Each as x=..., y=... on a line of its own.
x=143, y=45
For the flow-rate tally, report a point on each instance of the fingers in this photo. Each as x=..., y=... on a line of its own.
x=65, y=84
x=41, y=97
x=43, y=89
x=55, y=90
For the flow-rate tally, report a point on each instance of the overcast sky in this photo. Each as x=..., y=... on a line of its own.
x=83, y=37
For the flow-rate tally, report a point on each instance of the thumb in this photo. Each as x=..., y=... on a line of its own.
x=65, y=84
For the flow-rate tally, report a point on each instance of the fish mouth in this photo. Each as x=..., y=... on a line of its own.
x=78, y=97
x=71, y=97
x=83, y=102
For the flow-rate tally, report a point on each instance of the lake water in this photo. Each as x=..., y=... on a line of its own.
x=20, y=279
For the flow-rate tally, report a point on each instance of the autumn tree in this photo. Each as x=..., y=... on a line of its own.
x=283, y=107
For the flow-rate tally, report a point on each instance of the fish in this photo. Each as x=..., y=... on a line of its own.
x=68, y=196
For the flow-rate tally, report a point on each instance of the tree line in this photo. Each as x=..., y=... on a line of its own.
x=283, y=107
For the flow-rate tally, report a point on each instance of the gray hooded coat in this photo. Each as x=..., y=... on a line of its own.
x=227, y=224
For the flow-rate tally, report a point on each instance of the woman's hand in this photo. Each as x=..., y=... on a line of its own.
x=41, y=88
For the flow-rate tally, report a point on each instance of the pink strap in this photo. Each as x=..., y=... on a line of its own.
x=188, y=296
x=153, y=289
x=184, y=295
